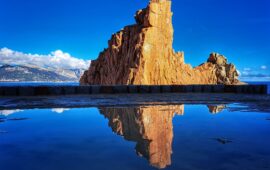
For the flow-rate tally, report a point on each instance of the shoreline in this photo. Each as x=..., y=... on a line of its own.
x=259, y=102
x=47, y=90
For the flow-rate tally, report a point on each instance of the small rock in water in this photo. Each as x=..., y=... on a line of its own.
x=223, y=140
x=17, y=119
x=2, y=120
x=267, y=119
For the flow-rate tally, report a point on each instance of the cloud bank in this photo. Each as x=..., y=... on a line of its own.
x=56, y=59
x=255, y=74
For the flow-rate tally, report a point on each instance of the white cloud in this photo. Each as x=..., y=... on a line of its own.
x=244, y=73
x=56, y=59
x=6, y=52
x=9, y=112
x=247, y=69
x=263, y=67
x=59, y=110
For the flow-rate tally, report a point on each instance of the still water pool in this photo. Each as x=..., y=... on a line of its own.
x=186, y=137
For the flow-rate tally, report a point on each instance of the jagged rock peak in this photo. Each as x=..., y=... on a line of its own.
x=216, y=58
x=143, y=54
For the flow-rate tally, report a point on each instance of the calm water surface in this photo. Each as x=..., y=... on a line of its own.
x=182, y=137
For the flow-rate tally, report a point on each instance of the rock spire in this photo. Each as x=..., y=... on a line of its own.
x=142, y=54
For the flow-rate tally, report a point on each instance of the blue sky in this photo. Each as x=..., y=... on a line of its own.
x=239, y=29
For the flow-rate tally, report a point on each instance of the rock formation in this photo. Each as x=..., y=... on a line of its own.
x=142, y=54
x=150, y=127
x=215, y=109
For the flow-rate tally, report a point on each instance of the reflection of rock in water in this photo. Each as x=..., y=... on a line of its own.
x=216, y=108
x=151, y=127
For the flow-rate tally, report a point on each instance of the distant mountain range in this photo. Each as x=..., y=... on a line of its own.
x=27, y=73
x=57, y=66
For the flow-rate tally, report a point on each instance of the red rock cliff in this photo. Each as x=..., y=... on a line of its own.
x=142, y=54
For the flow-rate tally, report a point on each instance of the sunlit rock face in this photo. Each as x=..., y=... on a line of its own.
x=150, y=127
x=142, y=54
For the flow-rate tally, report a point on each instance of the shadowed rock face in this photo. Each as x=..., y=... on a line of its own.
x=142, y=54
x=150, y=127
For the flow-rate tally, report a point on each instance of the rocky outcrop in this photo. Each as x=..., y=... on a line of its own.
x=225, y=73
x=142, y=54
x=215, y=109
x=150, y=127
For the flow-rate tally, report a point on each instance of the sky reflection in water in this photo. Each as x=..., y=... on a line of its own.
x=164, y=136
